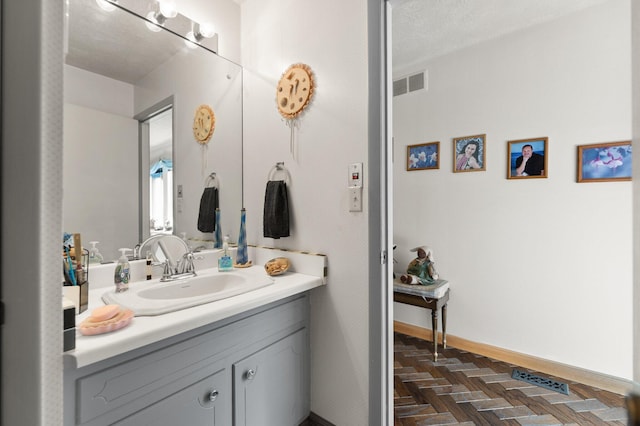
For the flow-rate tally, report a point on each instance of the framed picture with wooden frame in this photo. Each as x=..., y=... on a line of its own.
x=604, y=162
x=423, y=156
x=469, y=154
x=527, y=158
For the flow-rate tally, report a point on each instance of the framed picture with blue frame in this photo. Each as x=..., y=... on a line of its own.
x=604, y=162
x=527, y=158
x=424, y=156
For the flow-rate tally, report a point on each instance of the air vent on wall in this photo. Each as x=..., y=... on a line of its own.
x=410, y=84
x=400, y=87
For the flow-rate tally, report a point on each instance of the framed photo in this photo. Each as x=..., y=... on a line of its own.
x=469, y=153
x=424, y=156
x=604, y=162
x=527, y=158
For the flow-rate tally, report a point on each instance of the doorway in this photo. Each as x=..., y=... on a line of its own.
x=160, y=172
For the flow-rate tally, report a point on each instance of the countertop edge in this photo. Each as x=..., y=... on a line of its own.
x=150, y=329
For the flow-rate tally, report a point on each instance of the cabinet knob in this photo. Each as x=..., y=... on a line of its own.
x=250, y=374
x=213, y=395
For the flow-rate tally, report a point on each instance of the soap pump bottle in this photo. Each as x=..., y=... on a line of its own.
x=122, y=273
x=94, y=254
x=224, y=262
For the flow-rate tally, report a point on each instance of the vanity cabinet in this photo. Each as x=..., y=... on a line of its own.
x=250, y=369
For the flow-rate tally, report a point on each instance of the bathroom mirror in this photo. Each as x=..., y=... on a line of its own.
x=118, y=74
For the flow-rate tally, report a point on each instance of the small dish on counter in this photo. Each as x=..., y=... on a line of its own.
x=243, y=265
x=105, y=319
x=277, y=266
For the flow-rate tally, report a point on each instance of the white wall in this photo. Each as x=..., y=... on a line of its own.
x=100, y=198
x=332, y=134
x=94, y=176
x=107, y=94
x=539, y=266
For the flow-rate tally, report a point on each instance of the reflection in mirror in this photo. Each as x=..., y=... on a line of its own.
x=160, y=173
x=163, y=247
x=118, y=74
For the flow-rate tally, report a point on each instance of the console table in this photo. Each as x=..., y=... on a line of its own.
x=434, y=297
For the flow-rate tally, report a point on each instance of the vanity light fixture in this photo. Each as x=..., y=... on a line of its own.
x=156, y=19
x=198, y=33
x=107, y=5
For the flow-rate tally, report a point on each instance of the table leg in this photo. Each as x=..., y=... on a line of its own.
x=434, y=327
x=444, y=326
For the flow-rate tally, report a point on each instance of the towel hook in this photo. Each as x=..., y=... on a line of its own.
x=279, y=167
x=212, y=179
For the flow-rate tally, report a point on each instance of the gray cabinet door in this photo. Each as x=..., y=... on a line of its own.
x=271, y=387
x=204, y=403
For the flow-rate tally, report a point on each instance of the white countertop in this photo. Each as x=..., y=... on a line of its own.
x=145, y=330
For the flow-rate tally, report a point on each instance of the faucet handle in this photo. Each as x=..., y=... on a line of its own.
x=166, y=272
x=189, y=267
x=136, y=252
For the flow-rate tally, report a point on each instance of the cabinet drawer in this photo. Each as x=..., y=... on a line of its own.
x=203, y=403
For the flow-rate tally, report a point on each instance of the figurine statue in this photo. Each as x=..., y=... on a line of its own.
x=421, y=270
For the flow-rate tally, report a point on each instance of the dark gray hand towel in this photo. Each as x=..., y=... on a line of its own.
x=276, y=210
x=208, y=205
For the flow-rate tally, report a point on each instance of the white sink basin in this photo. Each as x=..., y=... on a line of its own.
x=154, y=297
x=193, y=287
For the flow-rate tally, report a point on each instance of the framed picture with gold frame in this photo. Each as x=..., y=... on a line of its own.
x=423, y=156
x=469, y=154
x=604, y=162
x=527, y=158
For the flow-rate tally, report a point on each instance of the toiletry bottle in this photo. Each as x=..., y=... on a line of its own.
x=148, y=267
x=122, y=273
x=224, y=262
x=94, y=254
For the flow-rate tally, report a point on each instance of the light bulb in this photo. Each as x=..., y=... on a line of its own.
x=107, y=5
x=191, y=41
x=154, y=25
x=207, y=30
x=168, y=9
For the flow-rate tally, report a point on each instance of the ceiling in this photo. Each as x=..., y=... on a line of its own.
x=115, y=44
x=118, y=44
x=425, y=29
x=421, y=30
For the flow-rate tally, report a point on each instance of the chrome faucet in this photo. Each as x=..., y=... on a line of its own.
x=184, y=269
x=173, y=254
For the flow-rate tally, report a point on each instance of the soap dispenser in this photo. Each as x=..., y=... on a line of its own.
x=224, y=262
x=94, y=254
x=122, y=273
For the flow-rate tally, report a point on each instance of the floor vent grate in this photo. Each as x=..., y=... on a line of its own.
x=540, y=381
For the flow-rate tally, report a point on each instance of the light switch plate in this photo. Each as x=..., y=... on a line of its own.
x=355, y=199
x=355, y=175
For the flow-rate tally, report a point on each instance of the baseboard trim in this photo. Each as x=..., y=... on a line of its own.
x=316, y=420
x=564, y=371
